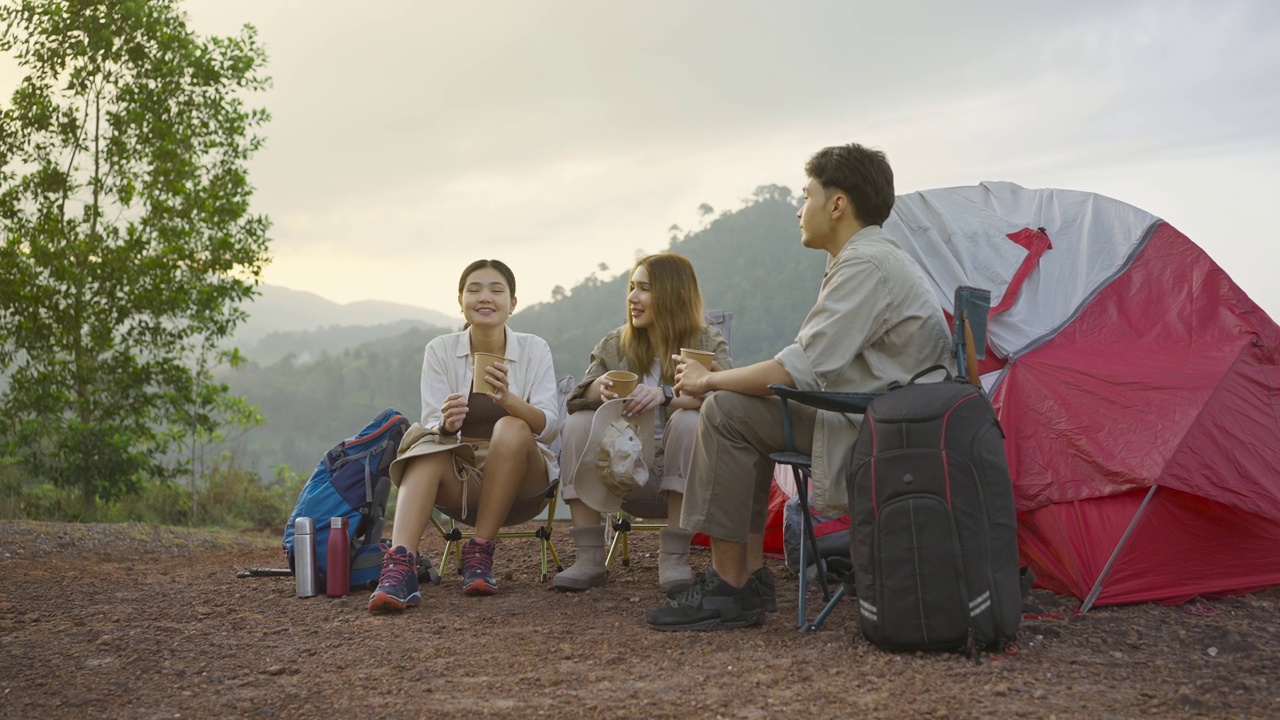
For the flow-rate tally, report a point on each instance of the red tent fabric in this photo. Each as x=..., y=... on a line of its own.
x=1167, y=381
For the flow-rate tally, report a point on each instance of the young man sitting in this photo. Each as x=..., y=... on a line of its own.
x=876, y=320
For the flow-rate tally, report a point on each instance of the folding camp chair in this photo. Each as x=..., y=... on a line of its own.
x=522, y=511
x=652, y=506
x=969, y=333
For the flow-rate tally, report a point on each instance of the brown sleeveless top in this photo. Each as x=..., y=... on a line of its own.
x=482, y=414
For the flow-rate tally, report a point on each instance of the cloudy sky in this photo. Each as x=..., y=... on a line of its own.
x=409, y=138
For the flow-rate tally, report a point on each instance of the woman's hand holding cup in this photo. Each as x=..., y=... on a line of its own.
x=454, y=411
x=619, y=383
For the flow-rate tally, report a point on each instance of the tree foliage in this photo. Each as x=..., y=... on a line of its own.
x=126, y=237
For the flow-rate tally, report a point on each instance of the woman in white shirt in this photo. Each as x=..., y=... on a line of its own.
x=482, y=458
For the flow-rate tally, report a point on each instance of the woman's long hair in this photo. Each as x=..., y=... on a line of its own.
x=676, y=304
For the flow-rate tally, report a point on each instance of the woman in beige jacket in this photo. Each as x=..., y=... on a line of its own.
x=664, y=314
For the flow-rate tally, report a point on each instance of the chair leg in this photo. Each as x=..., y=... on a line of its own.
x=549, y=555
x=812, y=539
x=809, y=544
x=826, y=610
x=452, y=541
x=621, y=526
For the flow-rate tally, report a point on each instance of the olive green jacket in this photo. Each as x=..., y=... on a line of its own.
x=607, y=356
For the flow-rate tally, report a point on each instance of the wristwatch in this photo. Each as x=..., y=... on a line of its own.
x=668, y=395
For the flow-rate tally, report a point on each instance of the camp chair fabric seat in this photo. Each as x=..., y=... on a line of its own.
x=522, y=511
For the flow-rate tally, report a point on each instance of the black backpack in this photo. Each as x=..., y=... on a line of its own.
x=934, y=533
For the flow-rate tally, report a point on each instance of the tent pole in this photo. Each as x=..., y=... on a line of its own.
x=1097, y=586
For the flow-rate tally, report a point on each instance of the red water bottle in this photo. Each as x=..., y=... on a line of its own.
x=337, y=574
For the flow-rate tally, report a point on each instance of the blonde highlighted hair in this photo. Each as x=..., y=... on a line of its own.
x=676, y=305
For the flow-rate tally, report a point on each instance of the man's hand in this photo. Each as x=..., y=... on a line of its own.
x=691, y=377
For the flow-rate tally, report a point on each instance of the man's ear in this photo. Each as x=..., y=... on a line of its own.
x=839, y=205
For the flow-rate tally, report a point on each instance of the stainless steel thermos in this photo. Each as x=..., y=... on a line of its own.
x=304, y=556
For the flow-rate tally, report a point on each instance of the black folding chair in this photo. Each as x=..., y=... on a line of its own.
x=969, y=334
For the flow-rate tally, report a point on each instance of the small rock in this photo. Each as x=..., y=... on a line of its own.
x=275, y=670
x=1213, y=652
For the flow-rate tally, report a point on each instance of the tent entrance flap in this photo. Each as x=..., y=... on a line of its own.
x=1097, y=585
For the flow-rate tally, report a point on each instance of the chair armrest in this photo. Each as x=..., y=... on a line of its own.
x=841, y=402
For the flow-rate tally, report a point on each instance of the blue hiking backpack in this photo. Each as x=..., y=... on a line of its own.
x=352, y=481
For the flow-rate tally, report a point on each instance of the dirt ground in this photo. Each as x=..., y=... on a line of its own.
x=134, y=621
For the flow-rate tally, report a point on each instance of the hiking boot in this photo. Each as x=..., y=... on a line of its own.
x=711, y=604
x=588, y=569
x=767, y=585
x=398, y=583
x=477, y=568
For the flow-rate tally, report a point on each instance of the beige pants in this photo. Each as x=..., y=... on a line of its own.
x=671, y=459
x=730, y=472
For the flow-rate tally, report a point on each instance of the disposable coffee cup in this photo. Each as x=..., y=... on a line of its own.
x=703, y=357
x=480, y=363
x=624, y=383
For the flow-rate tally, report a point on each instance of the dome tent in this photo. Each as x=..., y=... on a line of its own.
x=1138, y=387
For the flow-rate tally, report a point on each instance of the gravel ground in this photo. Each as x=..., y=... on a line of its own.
x=135, y=621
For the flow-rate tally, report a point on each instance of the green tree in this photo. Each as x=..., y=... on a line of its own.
x=126, y=239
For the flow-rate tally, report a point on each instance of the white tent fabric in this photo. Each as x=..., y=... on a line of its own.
x=961, y=236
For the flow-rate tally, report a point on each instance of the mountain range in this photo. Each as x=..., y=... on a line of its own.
x=284, y=321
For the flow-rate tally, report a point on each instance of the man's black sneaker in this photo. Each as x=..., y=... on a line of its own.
x=767, y=584
x=711, y=604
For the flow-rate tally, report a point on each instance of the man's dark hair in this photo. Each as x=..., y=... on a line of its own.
x=859, y=172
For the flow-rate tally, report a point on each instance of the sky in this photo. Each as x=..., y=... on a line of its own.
x=410, y=138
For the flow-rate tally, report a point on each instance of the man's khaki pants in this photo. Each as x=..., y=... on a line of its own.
x=727, y=495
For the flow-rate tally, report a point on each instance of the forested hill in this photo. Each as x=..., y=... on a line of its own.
x=749, y=262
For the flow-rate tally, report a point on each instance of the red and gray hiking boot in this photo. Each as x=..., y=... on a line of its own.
x=398, y=584
x=477, y=568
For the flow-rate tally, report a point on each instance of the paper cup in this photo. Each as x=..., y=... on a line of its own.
x=481, y=362
x=703, y=357
x=624, y=383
